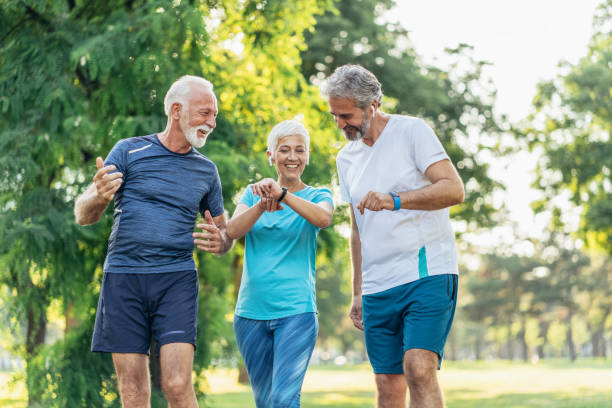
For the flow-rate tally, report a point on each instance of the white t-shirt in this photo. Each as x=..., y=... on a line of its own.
x=397, y=247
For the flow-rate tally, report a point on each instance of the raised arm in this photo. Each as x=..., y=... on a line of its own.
x=318, y=214
x=445, y=190
x=90, y=205
x=243, y=219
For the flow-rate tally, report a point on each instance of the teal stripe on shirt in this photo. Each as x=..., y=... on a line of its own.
x=422, y=263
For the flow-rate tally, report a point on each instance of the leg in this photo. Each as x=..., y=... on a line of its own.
x=382, y=321
x=255, y=343
x=176, y=360
x=133, y=379
x=420, y=367
x=390, y=391
x=294, y=341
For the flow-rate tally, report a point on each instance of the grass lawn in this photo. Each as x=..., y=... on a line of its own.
x=557, y=384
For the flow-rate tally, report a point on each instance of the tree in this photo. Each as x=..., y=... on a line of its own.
x=456, y=101
x=572, y=126
x=75, y=77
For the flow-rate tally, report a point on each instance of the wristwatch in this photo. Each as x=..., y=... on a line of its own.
x=283, y=194
x=397, y=201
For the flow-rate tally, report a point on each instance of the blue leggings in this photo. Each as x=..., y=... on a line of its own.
x=276, y=353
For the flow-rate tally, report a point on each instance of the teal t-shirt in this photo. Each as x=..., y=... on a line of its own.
x=278, y=276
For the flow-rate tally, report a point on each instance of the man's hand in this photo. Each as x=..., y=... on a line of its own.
x=210, y=240
x=106, y=184
x=374, y=201
x=356, y=313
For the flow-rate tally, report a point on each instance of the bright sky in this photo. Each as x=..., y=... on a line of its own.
x=524, y=40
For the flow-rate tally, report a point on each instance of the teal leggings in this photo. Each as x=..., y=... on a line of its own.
x=276, y=354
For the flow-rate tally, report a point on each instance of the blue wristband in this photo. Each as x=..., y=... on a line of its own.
x=397, y=201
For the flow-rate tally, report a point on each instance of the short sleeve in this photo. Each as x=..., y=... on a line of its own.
x=323, y=194
x=427, y=147
x=213, y=200
x=247, y=197
x=344, y=189
x=118, y=157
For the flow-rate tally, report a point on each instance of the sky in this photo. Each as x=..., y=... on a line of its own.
x=524, y=40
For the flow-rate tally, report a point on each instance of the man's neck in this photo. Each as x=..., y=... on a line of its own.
x=174, y=140
x=379, y=121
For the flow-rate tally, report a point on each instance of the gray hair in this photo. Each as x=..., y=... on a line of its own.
x=286, y=128
x=353, y=82
x=179, y=90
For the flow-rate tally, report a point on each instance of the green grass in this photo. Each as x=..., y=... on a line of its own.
x=556, y=383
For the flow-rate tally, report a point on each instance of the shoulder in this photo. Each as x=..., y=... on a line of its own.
x=203, y=160
x=317, y=193
x=137, y=142
x=407, y=123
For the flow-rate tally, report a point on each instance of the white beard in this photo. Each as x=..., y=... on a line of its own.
x=191, y=133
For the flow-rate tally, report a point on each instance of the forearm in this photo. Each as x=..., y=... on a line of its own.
x=242, y=223
x=355, y=249
x=315, y=214
x=442, y=194
x=89, y=207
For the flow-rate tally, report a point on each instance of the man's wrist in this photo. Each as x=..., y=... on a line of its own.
x=395, y=202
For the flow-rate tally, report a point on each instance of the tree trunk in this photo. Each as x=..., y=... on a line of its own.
x=35, y=337
x=523, y=342
x=70, y=320
x=478, y=348
x=570, y=337
x=509, y=347
x=543, y=334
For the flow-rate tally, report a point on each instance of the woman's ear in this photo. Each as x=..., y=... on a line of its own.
x=270, y=158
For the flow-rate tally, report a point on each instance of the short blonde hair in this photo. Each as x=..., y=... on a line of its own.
x=179, y=90
x=283, y=129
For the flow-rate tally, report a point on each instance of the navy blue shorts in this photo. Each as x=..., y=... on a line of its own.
x=415, y=315
x=134, y=307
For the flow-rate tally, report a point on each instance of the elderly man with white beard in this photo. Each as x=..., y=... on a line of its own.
x=159, y=183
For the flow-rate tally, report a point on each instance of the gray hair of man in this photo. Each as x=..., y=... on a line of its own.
x=291, y=127
x=179, y=90
x=353, y=82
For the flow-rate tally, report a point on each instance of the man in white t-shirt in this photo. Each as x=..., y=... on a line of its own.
x=400, y=183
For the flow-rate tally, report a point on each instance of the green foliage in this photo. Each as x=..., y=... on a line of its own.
x=76, y=77
x=456, y=102
x=572, y=127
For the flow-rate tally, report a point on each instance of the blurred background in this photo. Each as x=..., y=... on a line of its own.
x=520, y=94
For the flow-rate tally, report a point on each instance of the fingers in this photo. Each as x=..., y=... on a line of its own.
x=356, y=317
x=256, y=189
x=208, y=218
x=209, y=240
x=99, y=162
x=372, y=201
x=107, y=184
x=212, y=247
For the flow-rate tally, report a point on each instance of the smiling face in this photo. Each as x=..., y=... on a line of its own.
x=352, y=120
x=199, y=119
x=290, y=157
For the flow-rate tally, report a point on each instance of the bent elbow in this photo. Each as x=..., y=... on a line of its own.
x=460, y=196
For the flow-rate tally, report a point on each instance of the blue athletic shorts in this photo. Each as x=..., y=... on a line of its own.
x=134, y=307
x=418, y=314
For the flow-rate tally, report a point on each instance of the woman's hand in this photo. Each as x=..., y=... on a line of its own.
x=267, y=188
x=269, y=204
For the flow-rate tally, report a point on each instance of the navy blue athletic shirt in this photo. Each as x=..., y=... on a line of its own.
x=157, y=205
